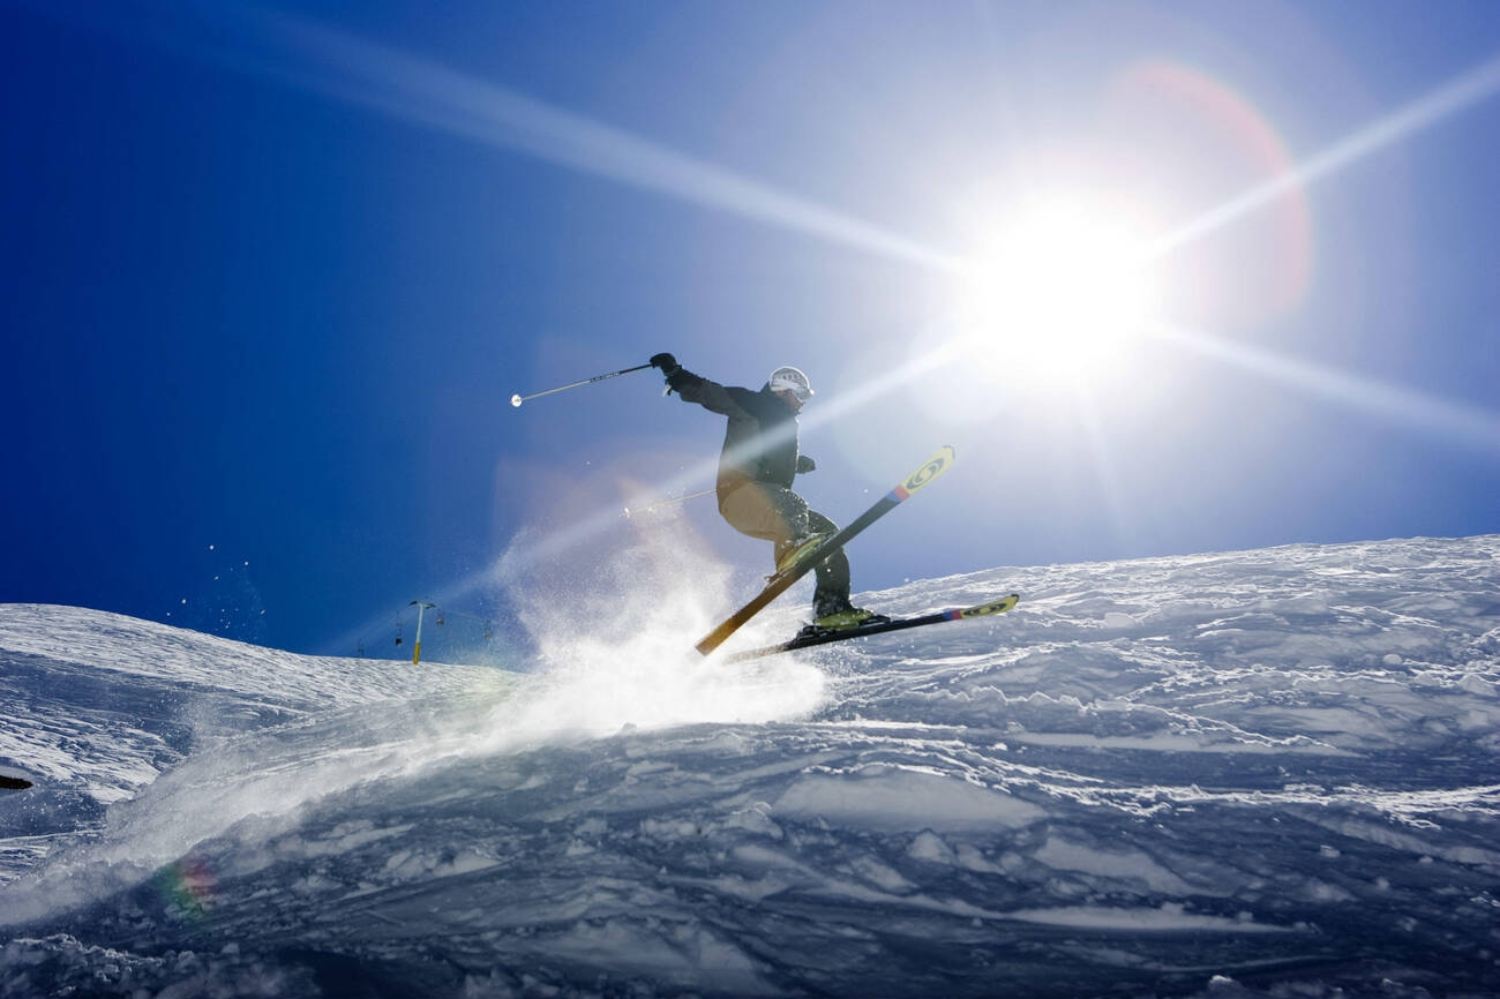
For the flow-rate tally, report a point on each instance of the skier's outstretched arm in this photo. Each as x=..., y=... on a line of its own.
x=695, y=388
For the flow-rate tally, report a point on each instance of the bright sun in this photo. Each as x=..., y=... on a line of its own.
x=1061, y=294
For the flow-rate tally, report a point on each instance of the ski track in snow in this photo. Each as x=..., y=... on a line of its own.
x=1264, y=773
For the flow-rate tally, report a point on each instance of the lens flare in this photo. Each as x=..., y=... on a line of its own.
x=1190, y=139
x=189, y=886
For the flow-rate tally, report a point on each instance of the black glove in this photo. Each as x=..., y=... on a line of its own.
x=678, y=377
x=666, y=362
x=805, y=464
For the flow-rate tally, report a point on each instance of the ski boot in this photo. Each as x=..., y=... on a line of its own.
x=845, y=617
x=844, y=620
x=796, y=550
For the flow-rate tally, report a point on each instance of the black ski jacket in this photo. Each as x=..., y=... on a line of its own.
x=760, y=443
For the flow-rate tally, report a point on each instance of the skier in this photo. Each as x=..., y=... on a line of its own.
x=754, y=486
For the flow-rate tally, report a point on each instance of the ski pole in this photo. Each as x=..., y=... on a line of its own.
x=669, y=501
x=517, y=399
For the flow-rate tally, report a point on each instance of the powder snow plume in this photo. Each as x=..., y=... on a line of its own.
x=615, y=653
x=615, y=641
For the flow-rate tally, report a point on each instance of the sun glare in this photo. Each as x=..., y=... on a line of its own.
x=1060, y=294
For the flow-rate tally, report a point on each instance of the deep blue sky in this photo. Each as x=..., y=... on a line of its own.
x=269, y=279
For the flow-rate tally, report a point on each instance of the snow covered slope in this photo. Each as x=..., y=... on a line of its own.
x=1262, y=773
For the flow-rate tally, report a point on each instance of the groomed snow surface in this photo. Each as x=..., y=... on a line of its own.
x=1270, y=773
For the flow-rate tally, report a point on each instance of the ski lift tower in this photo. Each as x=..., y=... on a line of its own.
x=422, y=607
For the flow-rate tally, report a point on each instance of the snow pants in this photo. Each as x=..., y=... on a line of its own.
x=775, y=514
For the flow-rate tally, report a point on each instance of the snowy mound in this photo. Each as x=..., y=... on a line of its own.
x=1264, y=773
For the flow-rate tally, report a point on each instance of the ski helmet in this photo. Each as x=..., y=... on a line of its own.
x=791, y=380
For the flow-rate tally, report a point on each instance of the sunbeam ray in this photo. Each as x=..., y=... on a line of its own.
x=1458, y=94
x=1472, y=425
x=301, y=53
x=1102, y=461
x=415, y=90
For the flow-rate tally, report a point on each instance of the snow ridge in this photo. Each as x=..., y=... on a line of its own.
x=1246, y=774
